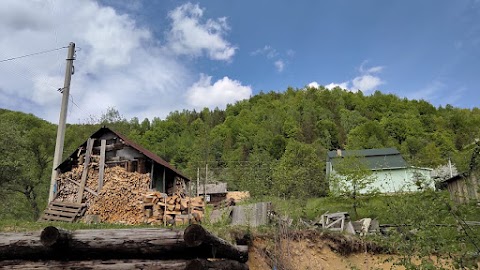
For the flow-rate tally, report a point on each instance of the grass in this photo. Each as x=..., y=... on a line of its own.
x=421, y=211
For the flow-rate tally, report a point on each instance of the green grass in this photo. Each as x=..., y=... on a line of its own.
x=11, y=225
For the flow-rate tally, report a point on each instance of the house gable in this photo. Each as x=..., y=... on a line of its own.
x=120, y=151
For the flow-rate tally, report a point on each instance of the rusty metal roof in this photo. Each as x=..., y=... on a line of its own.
x=138, y=147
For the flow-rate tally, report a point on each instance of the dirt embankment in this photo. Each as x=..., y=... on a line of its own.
x=309, y=251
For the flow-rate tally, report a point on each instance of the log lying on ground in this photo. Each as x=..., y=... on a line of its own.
x=196, y=264
x=96, y=264
x=196, y=236
x=200, y=264
x=56, y=244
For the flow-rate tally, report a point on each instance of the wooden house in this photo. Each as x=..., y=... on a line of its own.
x=464, y=187
x=114, y=149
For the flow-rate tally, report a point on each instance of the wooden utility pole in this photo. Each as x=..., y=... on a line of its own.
x=198, y=182
x=205, y=183
x=63, y=119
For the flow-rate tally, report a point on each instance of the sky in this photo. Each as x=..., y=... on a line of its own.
x=149, y=58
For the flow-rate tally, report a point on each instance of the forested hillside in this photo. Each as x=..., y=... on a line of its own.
x=271, y=144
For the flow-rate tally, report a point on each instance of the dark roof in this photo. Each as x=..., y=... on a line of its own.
x=217, y=188
x=138, y=147
x=374, y=159
x=455, y=177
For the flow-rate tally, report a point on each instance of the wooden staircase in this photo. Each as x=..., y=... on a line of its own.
x=63, y=211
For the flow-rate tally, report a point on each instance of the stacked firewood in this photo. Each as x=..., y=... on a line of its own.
x=177, y=209
x=120, y=200
x=69, y=182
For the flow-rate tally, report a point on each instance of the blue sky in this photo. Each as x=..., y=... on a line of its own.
x=147, y=58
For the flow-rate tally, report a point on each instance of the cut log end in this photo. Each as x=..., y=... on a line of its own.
x=194, y=235
x=52, y=236
x=49, y=236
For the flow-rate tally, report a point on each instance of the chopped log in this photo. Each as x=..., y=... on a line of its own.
x=196, y=236
x=94, y=193
x=121, y=264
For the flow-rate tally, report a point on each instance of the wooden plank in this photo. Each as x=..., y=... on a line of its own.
x=59, y=213
x=56, y=218
x=66, y=204
x=70, y=210
x=81, y=188
x=93, y=192
x=101, y=170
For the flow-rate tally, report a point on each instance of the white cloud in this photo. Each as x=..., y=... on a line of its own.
x=376, y=69
x=343, y=85
x=279, y=65
x=119, y=63
x=313, y=85
x=273, y=56
x=267, y=50
x=366, y=83
x=224, y=91
x=190, y=36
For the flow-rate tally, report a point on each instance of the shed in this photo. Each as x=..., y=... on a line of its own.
x=121, y=151
x=215, y=193
x=463, y=188
x=390, y=171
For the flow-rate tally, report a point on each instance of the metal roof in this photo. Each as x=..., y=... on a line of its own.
x=374, y=159
x=127, y=141
x=217, y=188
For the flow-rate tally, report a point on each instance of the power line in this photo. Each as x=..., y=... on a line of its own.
x=32, y=54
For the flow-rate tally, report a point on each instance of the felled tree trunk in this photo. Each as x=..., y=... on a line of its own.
x=196, y=236
x=197, y=264
x=56, y=244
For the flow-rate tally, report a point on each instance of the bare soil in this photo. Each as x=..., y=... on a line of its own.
x=320, y=252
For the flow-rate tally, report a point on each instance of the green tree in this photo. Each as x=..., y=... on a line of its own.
x=299, y=173
x=352, y=178
x=25, y=162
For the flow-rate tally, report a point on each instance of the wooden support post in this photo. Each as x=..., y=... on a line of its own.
x=164, y=184
x=81, y=188
x=151, y=174
x=101, y=169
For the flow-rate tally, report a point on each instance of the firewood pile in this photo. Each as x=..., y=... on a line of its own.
x=125, y=198
x=69, y=181
x=120, y=200
x=177, y=209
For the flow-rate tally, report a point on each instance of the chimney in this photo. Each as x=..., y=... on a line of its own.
x=339, y=152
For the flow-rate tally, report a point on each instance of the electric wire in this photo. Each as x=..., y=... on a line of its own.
x=32, y=54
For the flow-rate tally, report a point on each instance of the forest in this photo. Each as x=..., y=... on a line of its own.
x=273, y=144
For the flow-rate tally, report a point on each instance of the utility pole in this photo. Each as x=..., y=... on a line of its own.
x=63, y=119
x=198, y=182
